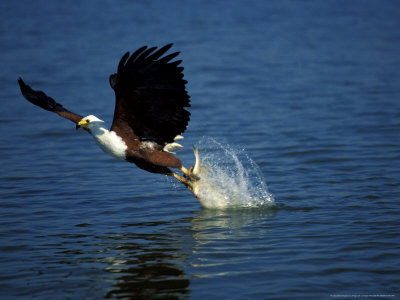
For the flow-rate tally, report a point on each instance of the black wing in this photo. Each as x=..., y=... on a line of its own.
x=150, y=95
x=42, y=100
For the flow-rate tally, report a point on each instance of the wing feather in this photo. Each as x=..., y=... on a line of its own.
x=40, y=99
x=122, y=62
x=156, y=55
x=150, y=95
x=131, y=59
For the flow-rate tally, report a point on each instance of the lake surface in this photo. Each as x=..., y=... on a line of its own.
x=310, y=90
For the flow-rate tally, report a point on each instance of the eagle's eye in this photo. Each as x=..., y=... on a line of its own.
x=87, y=121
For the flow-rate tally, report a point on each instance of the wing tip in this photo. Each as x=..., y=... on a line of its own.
x=122, y=62
x=39, y=98
x=145, y=54
x=21, y=83
x=25, y=89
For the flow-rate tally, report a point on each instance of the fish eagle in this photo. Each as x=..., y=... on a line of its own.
x=150, y=112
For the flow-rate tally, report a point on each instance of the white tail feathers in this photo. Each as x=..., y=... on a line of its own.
x=172, y=147
x=178, y=138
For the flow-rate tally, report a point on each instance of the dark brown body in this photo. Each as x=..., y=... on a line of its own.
x=148, y=156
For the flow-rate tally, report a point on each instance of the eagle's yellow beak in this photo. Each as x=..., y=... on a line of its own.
x=83, y=123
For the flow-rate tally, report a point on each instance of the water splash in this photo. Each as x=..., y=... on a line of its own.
x=229, y=178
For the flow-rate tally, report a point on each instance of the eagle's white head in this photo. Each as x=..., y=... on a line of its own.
x=90, y=122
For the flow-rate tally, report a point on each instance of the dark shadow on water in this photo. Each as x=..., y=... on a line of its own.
x=147, y=266
x=154, y=265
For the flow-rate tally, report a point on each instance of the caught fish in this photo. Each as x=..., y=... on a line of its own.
x=203, y=187
x=223, y=178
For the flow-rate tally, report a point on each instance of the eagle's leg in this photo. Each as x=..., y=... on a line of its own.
x=185, y=171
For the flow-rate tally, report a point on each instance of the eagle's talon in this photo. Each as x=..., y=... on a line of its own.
x=194, y=177
x=188, y=174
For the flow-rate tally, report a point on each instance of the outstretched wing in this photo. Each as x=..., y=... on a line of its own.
x=42, y=100
x=150, y=95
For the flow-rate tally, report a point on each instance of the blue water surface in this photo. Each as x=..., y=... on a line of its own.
x=311, y=90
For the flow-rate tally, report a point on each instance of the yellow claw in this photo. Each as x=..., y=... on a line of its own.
x=190, y=177
x=187, y=182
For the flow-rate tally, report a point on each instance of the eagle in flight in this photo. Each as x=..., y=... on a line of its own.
x=150, y=112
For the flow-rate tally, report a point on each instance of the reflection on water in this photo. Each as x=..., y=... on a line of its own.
x=147, y=265
x=151, y=260
x=225, y=241
x=207, y=219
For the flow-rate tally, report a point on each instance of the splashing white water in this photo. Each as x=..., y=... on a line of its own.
x=229, y=178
